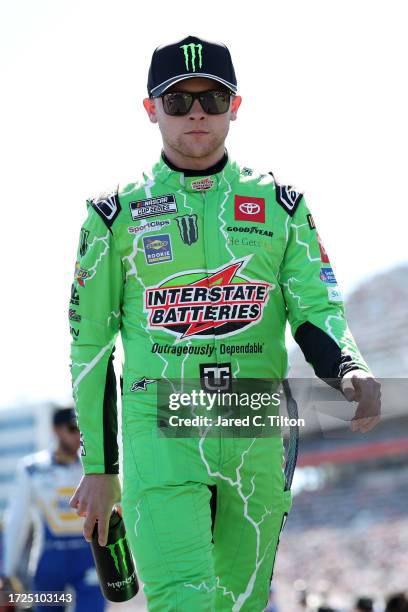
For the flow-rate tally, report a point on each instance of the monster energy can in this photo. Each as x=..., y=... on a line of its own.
x=114, y=562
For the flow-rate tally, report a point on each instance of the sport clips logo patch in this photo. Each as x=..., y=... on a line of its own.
x=197, y=303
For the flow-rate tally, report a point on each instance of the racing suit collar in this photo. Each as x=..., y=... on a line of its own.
x=214, y=169
x=218, y=177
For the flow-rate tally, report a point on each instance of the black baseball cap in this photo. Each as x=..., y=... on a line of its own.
x=65, y=416
x=190, y=57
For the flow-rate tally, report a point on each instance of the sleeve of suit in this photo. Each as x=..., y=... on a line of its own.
x=95, y=318
x=314, y=303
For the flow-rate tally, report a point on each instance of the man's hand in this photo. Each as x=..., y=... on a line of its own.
x=94, y=499
x=361, y=387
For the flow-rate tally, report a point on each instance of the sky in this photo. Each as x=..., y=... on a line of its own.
x=324, y=107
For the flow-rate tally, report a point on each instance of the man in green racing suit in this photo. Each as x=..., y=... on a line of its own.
x=199, y=264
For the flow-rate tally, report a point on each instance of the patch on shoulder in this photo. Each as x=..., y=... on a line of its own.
x=107, y=206
x=288, y=198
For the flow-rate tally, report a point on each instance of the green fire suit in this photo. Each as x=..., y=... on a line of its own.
x=199, y=274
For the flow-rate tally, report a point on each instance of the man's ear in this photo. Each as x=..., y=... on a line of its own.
x=150, y=107
x=235, y=104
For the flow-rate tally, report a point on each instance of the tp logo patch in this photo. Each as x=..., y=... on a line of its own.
x=249, y=209
x=215, y=377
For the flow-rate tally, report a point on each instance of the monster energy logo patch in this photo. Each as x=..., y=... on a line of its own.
x=122, y=551
x=83, y=244
x=188, y=229
x=190, y=55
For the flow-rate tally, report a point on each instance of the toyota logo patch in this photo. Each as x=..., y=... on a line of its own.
x=249, y=209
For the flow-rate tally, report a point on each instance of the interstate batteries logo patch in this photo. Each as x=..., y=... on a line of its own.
x=201, y=304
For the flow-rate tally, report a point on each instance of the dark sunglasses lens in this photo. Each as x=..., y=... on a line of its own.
x=177, y=103
x=215, y=102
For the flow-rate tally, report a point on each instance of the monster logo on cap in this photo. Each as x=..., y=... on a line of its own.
x=192, y=48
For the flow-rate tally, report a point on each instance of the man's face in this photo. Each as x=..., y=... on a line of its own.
x=196, y=134
x=68, y=438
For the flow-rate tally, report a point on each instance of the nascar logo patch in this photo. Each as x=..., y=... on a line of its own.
x=153, y=206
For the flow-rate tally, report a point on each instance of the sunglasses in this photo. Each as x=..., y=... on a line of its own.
x=213, y=102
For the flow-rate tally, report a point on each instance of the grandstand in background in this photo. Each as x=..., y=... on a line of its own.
x=347, y=533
